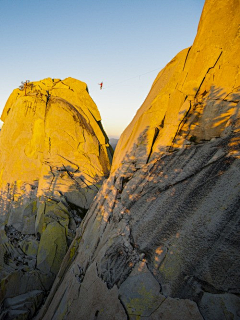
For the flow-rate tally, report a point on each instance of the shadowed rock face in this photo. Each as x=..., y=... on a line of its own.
x=161, y=239
x=54, y=158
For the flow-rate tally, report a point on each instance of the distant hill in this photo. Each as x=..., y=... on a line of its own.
x=113, y=142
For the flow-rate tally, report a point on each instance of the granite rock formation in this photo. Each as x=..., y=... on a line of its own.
x=161, y=240
x=54, y=158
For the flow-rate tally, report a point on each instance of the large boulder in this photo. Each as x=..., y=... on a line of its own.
x=54, y=158
x=161, y=240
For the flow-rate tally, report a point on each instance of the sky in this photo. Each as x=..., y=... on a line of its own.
x=122, y=43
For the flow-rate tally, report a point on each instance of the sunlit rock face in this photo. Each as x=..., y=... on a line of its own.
x=54, y=158
x=161, y=240
x=193, y=97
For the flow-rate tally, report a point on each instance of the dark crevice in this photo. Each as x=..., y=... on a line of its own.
x=139, y=316
x=58, y=304
x=154, y=139
x=48, y=97
x=80, y=275
x=69, y=162
x=150, y=269
x=96, y=315
x=71, y=175
x=184, y=79
x=67, y=86
x=154, y=309
x=207, y=73
x=49, y=145
x=77, y=116
x=131, y=239
x=104, y=133
x=80, y=210
x=232, y=101
x=125, y=309
x=225, y=98
x=186, y=58
x=53, y=177
x=162, y=123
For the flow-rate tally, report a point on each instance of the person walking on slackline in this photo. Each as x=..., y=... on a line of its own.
x=101, y=84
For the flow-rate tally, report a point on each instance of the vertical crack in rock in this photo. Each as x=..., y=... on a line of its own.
x=186, y=58
x=48, y=97
x=207, y=73
x=124, y=307
x=53, y=176
x=153, y=141
x=59, y=303
x=180, y=125
x=49, y=145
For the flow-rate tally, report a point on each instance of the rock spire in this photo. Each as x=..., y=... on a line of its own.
x=54, y=158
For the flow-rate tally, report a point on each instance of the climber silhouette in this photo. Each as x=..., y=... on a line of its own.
x=101, y=84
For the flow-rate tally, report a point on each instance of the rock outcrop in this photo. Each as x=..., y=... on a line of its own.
x=54, y=158
x=161, y=239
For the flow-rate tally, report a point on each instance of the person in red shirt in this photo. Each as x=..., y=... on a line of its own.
x=101, y=84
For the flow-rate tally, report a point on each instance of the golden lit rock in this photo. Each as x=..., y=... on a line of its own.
x=54, y=157
x=51, y=144
x=196, y=94
x=162, y=235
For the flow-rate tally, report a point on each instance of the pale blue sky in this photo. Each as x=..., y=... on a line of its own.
x=117, y=42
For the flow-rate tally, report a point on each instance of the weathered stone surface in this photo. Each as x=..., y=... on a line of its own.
x=171, y=203
x=20, y=282
x=52, y=248
x=141, y=296
x=220, y=306
x=54, y=158
x=175, y=309
x=29, y=247
x=23, y=306
x=97, y=302
x=140, y=292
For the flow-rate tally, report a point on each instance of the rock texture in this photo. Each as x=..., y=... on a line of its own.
x=54, y=158
x=161, y=239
